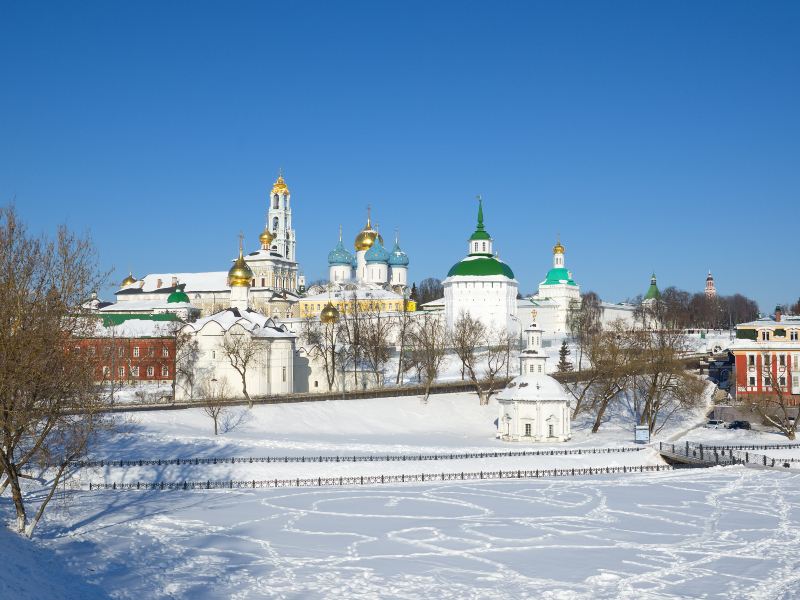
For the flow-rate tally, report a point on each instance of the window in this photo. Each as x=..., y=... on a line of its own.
x=106, y=371
x=134, y=371
x=283, y=374
x=540, y=368
x=151, y=351
x=751, y=360
x=151, y=371
x=796, y=361
x=782, y=360
x=275, y=224
x=483, y=246
x=765, y=336
x=527, y=429
x=550, y=431
x=136, y=351
x=165, y=351
x=316, y=383
x=262, y=282
x=213, y=355
x=793, y=335
x=92, y=350
x=275, y=201
x=121, y=351
x=165, y=371
x=782, y=382
x=753, y=381
x=121, y=371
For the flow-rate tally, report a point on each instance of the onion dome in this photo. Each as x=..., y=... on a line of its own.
x=367, y=236
x=398, y=258
x=558, y=275
x=558, y=248
x=377, y=253
x=266, y=238
x=129, y=280
x=240, y=274
x=178, y=295
x=279, y=187
x=339, y=255
x=329, y=314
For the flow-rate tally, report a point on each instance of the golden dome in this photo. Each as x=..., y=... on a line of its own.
x=280, y=186
x=129, y=280
x=240, y=274
x=266, y=238
x=366, y=237
x=329, y=314
x=558, y=248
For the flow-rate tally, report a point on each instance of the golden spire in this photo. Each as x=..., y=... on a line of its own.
x=266, y=238
x=366, y=237
x=240, y=274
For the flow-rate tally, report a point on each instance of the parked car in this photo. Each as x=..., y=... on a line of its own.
x=739, y=425
x=715, y=424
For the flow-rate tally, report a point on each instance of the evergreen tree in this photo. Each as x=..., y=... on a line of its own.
x=563, y=358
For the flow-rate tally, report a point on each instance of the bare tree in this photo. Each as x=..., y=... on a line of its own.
x=186, y=356
x=50, y=407
x=403, y=329
x=478, y=346
x=350, y=335
x=776, y=405
x=319, y=340
x=243, y=352
x=376, y=329
x=428, y=341
x=214, y=394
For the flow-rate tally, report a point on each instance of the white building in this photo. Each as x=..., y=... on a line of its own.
x=534, y=407
x=481, y=285
x=276, y=279
x=270, y=371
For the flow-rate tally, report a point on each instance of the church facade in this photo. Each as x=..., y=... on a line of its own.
x=276, y=278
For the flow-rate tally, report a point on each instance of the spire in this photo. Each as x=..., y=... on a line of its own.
x=480, y=213
x=340, y=233
x=369, y=221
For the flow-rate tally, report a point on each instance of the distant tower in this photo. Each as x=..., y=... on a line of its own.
x=653, y=294
x=398, y=265
x=279, y=220
x=340, y=262
x=711, y=290
x=364, y=241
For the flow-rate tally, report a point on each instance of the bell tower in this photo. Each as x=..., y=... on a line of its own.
x=532, y=360
x=279, y=220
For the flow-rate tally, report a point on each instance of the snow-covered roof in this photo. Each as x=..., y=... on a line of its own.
x=258, y=324
x=533, y=388
x=144, y=306
x=212, y=281
x=786, y=321
x=438, y=303
x=134, y=328
x=261, y=254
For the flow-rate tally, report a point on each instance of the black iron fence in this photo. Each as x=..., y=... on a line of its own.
x=705, y=455
x=371, y=479
x=336, y=459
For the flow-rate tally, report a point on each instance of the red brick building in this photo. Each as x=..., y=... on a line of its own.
x=136, y=350
x=767, y=354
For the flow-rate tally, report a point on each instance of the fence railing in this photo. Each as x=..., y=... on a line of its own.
x=339, y=458
x=717, y=455
x=368, y=479
x=753, y=446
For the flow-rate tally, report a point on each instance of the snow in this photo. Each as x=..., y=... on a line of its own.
x=715, y=533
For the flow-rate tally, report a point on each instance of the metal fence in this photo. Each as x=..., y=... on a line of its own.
x=369, y=479
x=336, y=459
x=706, y=455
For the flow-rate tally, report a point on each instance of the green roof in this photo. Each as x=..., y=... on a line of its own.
x=557, y=276
x=178, y=296
x=117, y=318
x=481, y=266
x=480, y=231
x=652, y=291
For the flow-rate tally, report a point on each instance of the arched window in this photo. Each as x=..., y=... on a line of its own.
x=484, y=246
x=275, y=201
x=275, y=222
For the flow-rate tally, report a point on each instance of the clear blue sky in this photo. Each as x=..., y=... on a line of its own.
x=650, y=135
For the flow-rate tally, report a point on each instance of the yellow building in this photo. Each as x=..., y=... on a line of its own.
x=368, y=300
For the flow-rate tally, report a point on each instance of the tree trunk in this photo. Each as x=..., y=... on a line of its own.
x=244, y=389
x=43, y=505
x=216, y=418
x=16, y=495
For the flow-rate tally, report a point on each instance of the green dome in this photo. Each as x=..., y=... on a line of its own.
x=480, y=266
x=178, y=296
x=558, y=275
x=652, y=291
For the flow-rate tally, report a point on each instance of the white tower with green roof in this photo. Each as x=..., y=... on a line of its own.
x=557, y=293
x=481, y=284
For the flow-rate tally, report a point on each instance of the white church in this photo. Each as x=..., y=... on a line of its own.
x=481, y=284
x=534, y=407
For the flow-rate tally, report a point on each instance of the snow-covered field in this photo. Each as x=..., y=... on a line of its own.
x=714, y=533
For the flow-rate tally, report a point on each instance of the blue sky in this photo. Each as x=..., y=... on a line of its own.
x=651, y=136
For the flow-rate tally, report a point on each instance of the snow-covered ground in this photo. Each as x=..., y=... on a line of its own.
x=713, y=533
